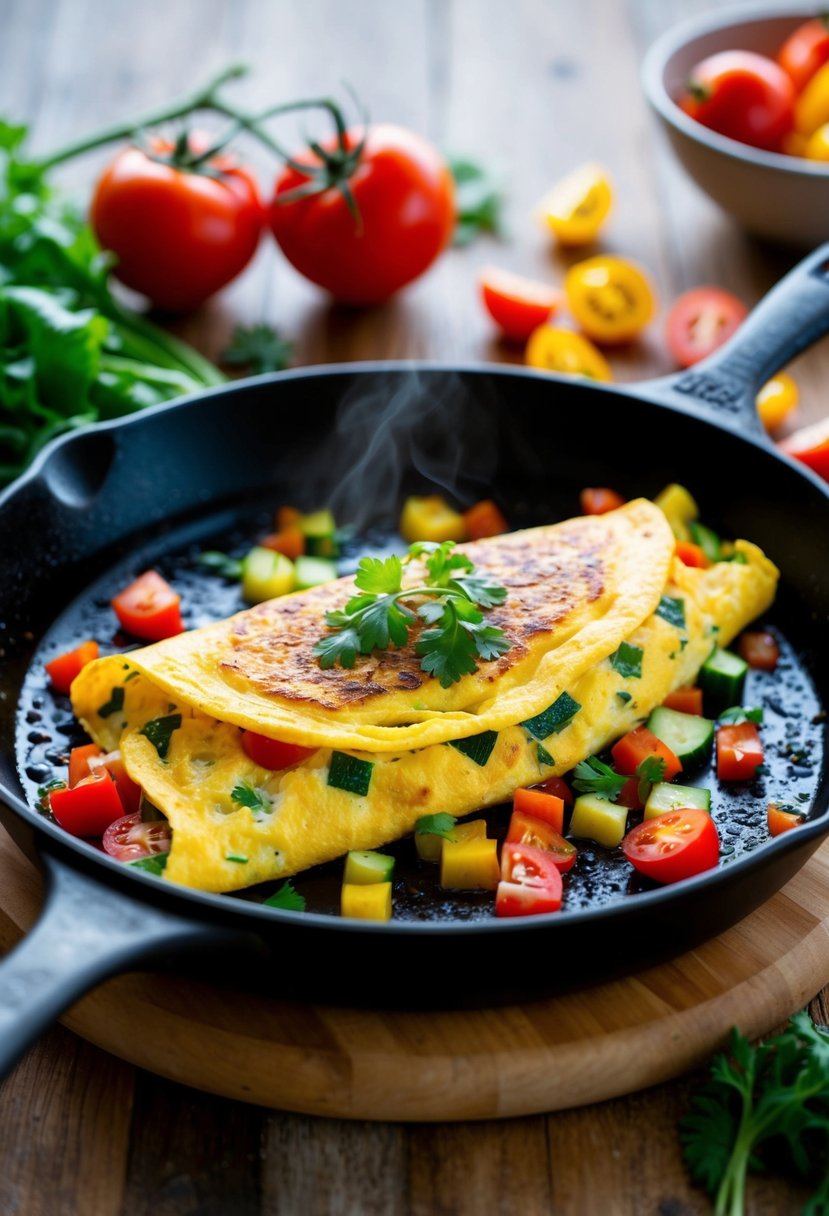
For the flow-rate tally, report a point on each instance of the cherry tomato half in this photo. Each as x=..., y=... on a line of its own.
x=578, y=205
x=804, y=51
x=559, y=787
x=742, y=95
x=178, y=235
x=540, y=834
x=776, y=400
x=700, y=321
x=405, y=195
x=273, y=753
x=810, y=445
x=569, y=354
x=130, y=838
x=759, y=649
x=149, y=608
x=63, y=669
x=530, y=882
x=611, y=298
x=598, y=500
x=483, y=519
x=516, y=304
x=673, y=846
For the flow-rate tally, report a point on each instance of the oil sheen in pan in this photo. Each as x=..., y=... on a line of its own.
x=46, y=730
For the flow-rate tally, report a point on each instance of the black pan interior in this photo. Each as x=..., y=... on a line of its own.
x=361, y=440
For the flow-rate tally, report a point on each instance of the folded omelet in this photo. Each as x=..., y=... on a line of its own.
x=390, y=743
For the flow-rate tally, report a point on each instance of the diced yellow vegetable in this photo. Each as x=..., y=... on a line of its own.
x=266, y=574
x=811, y=108
x=778, y=397
x=430, y=846
x=366, y=901
x=597, y=819
x=470, y=865
x=319, y=530
x=430, y=519
x=679, y=508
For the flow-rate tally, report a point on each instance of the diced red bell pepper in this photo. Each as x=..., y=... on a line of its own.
x=484, y=519
x=685, y=700
x=636, y=746
x=88, y=808
x=79, y=759
x=129, y=791
x=63, y=670
x=541, y=805
x=149, y=608
x=739, y=751
x=760, y=650
x=598, y=500
x=692, y=555
x=780, y=820
x=290, y=542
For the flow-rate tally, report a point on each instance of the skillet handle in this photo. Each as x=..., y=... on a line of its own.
x=793, y=315
x=86, y=932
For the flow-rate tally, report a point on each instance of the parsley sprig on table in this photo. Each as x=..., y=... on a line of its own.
x=762, y=1104
x=454, y=596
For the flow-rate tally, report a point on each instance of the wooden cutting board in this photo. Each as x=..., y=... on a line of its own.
x=547, y=1055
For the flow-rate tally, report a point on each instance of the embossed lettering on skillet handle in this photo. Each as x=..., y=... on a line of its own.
x=87, y=931
x=793, y=315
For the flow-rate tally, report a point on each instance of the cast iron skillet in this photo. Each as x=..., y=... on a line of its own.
x=530, y=439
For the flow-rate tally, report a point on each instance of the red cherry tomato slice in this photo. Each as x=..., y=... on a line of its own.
x=559, y=787
x=88, y=808
x=759, y=649
x=530, y=882
x=739, y=751
x=700, y=321
x=130, y=838
x=273, y=753
x=598, y=500
x=673, y=846
x=63, y=669
x=804, y=51
x=518, y=899
x=526, y=829
x=517, y=305
x=745, y=96
x=149, y=608
x=810, y=445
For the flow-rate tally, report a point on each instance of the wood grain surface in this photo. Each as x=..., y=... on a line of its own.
x=532, y=88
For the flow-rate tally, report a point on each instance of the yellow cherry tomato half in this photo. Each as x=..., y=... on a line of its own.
x=578, y=205
x=811, y=107
x=569, y=354
x=610, y=297
x=817, y=145
x=776, y=400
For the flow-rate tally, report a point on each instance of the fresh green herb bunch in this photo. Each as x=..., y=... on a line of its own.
x=763, y=1106
x=454, y=599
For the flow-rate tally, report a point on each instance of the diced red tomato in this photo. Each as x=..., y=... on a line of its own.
x=79, y=761
x=673, y=846
x=530, y=882
x=780, y=820
x=760, y=650
x=149, y=608
x=128, y=790
x=290, y=542
x=810, y=445
x=636, y=746
x=559, y=787
x=692, y=555
x=130, y=838
x=526, y=829
x=88, y=808
x=541, y=805
x=700, y=321
x=516, y=304
x=484, y=519
x=598, y=500
x=739, y=751
x=685, y=700
x=287, y=517
x=63, y=669
x=273, y=753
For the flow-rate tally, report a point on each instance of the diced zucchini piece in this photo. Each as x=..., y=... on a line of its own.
x=722, y=677
x=368, y=867
x=470, y=865
x=430, y=518
x=689, y=736
x=350, y=773
x=266, y=574
x=320, y=534
x=679, y=508
x=666, y=797
x=311, y=571
x=707, y=540
x=366, y=901
x=477, y=747
x=597, y=819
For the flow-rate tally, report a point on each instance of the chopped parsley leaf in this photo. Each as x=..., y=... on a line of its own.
x=544, y=756
x=553, y=719
x=247, y=795
x=286, y=897
x=115, y=703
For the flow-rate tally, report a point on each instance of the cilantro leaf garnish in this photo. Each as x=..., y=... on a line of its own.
x=738, y=714
x=649, y=772
x=593, y=776
x=440, y=824
x=247, y=795
x=451, y=600
x=756, y=1100
x=286, y=897
x=257, y=348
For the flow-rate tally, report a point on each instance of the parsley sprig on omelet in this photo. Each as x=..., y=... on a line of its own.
x=453, y=600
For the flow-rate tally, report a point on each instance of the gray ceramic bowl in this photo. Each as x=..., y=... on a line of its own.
x=784, y=198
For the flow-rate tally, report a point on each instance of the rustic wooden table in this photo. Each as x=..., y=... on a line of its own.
x=532, y=88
